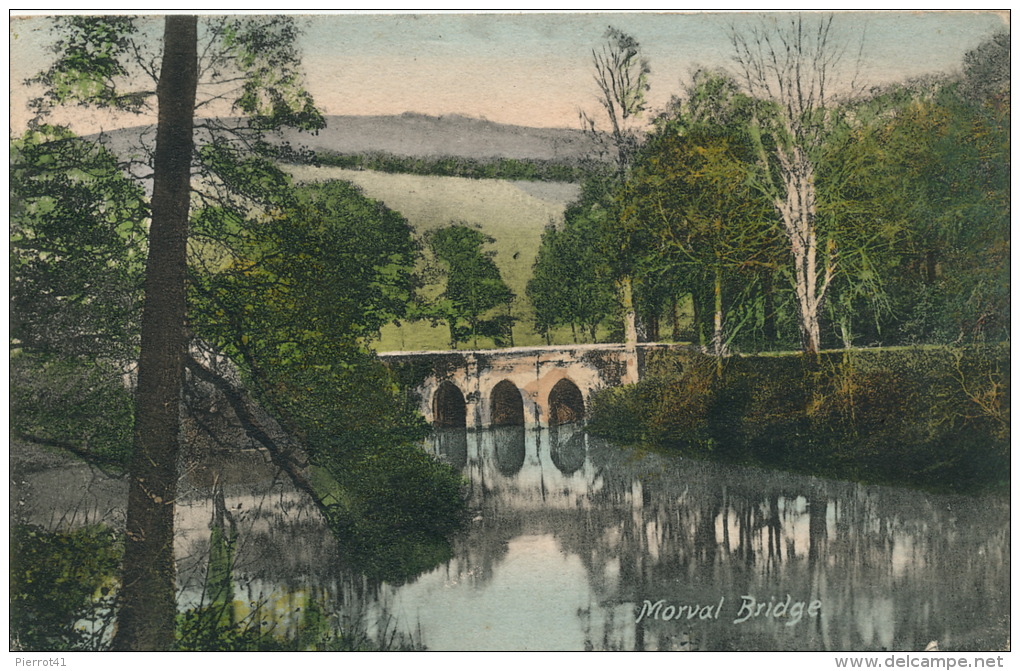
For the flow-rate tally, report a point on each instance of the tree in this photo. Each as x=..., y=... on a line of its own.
x=474, y=287
x=293, y=302
x=570, y=283
x=92, y=67
x=690, y=188
x=621, y=74
x=925, y=173
x=77, y=248
x=148, y=609
x=792, y=66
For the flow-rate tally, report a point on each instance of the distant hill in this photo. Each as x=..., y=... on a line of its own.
x=417, y=136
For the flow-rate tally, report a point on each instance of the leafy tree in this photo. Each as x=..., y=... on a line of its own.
x=570, y=283
x=986, y=70
x=690, y=190
x=76, y=255
x=476, y=301
x=287, y=286
x=293, y=301
x=929, y=174
x=102, y=61
x=55, y=577
x=621, y=74
x=77, y=245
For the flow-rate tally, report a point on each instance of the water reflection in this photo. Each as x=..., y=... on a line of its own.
x=573, y=536
x=566, y=447
x=451, y=446
x=508, y=448
x=889, y=568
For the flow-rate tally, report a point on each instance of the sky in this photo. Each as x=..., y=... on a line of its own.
x=535, y=69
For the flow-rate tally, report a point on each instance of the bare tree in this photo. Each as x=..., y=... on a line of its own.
x=793, y=66
x=621, y=74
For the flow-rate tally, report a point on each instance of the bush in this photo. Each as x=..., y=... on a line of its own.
x=62, y=586
x=934, y=418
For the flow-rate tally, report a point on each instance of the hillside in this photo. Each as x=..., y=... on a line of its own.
x=514, y=213
x=420, y=135
x=417, y=136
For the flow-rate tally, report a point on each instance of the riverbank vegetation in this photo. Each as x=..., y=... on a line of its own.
x=64, y=598
x=929, y=417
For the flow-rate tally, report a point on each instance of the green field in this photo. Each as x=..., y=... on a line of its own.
x=514, y=213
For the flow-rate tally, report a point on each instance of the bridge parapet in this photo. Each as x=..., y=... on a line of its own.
x=529, y=386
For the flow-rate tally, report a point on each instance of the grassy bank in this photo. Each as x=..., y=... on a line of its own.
x=935, y=418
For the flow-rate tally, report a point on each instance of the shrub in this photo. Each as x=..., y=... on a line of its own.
x=934, y=418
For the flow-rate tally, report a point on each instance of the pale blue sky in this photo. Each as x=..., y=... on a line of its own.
x=535, y=69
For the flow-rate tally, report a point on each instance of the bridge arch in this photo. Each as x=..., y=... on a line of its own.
x=566, y=403
x=449, y=410
x=507, y=405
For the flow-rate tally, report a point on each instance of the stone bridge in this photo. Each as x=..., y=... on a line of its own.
x=517, y=386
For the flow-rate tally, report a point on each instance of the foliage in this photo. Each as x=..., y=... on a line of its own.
x=936, y=418
x=476, y=301
x=457, y=166
x=394, y=509
x=899, y=234
x=293, y=302
x=58, y=580
x=931, y=172
x=260, y=288
x=263, y=51
x=77, y=404
x=986, y=70
x=792, y=67
x=91, y=67
x=621, y=73
x=570, y=283
x=63, y=589
x=76, y=260
x=77, y=246
x=690, y=192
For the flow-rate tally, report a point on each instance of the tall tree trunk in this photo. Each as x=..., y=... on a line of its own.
x=148, y=606
x=797, y=210
x=629, y=315
x=675, y=317
x=652, y=329
x=698, y=316
x=930, y=267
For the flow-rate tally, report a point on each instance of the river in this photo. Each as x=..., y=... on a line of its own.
x=577, y=544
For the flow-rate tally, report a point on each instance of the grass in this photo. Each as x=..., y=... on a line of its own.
x=514, y=213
